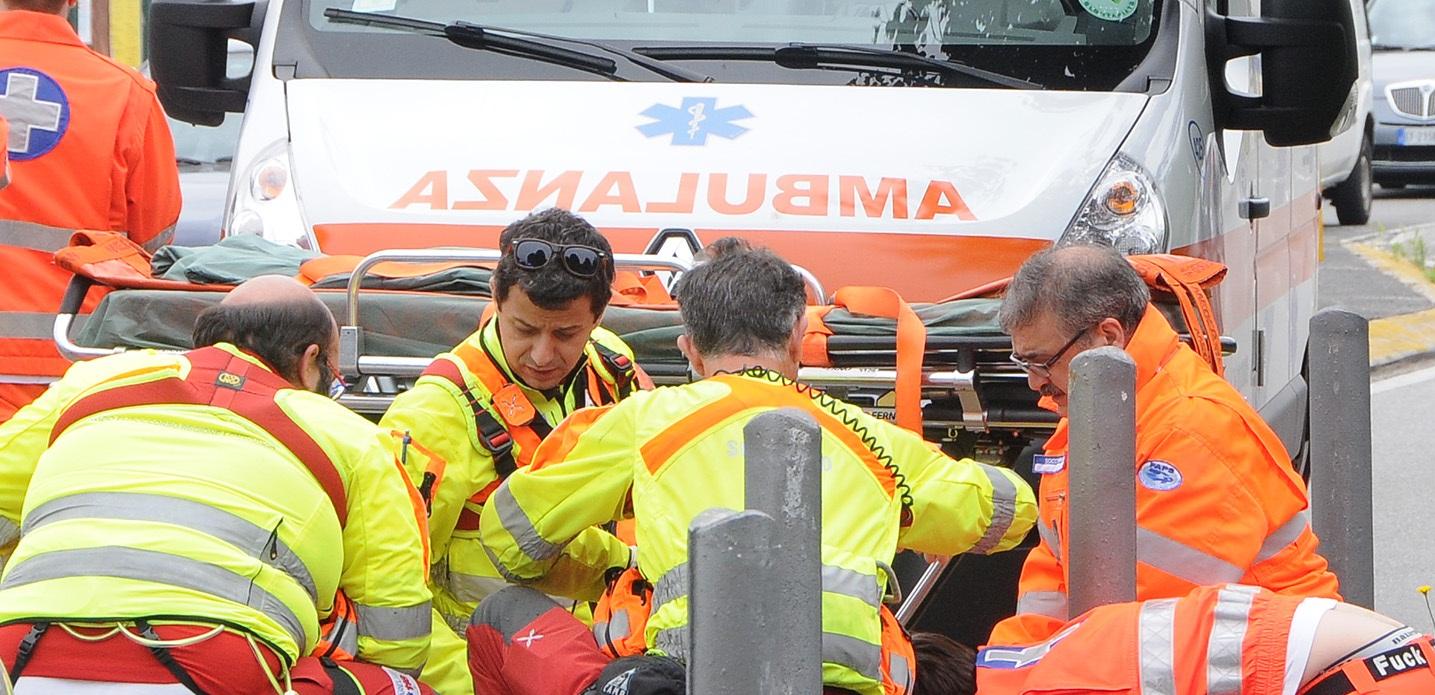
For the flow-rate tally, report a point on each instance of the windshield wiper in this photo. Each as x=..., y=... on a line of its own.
x=188, y=161
x=812, y=55
x=521, y=42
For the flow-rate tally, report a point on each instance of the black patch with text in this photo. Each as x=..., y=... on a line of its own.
x=230, y=381
x=1396, y=662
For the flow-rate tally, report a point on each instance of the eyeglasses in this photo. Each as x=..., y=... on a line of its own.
x=582, y=261
x=328, y=371
x=1043, y=369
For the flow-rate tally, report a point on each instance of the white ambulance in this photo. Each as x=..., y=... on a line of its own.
x=928, y=146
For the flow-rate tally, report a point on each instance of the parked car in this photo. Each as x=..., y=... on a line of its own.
x=1345, y=162
x=204, y=155
x=1403, y=66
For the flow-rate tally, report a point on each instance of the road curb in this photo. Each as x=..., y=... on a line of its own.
x=1403, y=337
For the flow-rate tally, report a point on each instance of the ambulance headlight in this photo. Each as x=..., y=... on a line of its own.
x=264, y=201
x=1123, y=211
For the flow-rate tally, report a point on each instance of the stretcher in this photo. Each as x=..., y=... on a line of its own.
x=388, y=337
x=971, y=397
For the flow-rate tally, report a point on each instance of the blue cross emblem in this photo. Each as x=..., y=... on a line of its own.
x=692, y=122
x=37, y=109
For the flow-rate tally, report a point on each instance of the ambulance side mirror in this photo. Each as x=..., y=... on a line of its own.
x=189, y=54
x=1308, y=67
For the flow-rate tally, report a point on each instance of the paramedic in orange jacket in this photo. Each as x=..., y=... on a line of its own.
x=1217, y=501
x=89, y=148
x=1220, y=640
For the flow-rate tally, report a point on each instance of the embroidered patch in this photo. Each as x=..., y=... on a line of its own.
x=230, y=380
x=1159, y=476
x=1045, y=465
x=1396, y=662
x=38, y=111
x=403, y=683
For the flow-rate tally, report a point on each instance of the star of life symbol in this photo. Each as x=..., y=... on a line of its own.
x=529, y=638
x=694, y=120
x=37, y=110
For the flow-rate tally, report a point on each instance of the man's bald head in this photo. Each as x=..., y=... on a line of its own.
x=1079, y=285
x=276, y=319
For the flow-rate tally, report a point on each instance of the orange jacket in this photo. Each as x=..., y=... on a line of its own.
x=1217, y=499
x=1219, y=639
x=89, y=148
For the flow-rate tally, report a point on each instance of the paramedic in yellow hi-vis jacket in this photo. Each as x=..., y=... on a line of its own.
x=664, y=456
x=190, y=517
x=479, y=411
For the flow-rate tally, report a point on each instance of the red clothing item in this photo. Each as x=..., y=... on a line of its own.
x=1217, y=501
x=89, y=148
x=521, y=642
x=225, y=664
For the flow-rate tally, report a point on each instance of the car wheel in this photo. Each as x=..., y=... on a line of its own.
x=1353, y=197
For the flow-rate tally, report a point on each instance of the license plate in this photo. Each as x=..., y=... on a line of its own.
x=1416, y=136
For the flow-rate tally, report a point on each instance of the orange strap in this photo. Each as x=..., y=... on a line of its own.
x=1187, y=278
x=111, y=259
x=911, y=344
x=634, y=289
x=814, y=339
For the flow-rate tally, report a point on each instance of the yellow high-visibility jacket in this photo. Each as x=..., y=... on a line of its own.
x=152, y=502
x=443, y=450
x=678, y=451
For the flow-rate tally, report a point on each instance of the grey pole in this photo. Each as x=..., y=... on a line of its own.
x=731, y=630
x=1101, y=547
x=782, y=452
x=1340, y=460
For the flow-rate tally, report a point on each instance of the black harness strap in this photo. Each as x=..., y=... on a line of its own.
x=165, y=659
x=27, y=648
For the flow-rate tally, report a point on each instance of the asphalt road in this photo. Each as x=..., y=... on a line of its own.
x=1403, y=477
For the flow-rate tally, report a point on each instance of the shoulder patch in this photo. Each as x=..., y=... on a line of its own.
x=1045, y=465
x=1159, y=476
x=38, y=111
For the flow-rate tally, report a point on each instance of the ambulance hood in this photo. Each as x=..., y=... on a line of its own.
x=945, y=162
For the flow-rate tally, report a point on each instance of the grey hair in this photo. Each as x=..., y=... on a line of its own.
x=1079, y=285
x=742, y=301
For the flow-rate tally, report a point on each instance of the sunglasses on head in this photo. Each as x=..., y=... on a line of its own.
x=582, y=261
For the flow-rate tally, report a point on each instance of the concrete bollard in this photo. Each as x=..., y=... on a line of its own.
x=783, y=457
x=731, y=631
x=1338, y=354
x=1101, y=552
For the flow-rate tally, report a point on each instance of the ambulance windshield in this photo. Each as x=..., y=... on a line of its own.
x=1057, y=44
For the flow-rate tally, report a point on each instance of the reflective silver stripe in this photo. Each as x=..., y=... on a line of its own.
x=862, y=657
x=161, y=239
x=1051, y=604
x=673, y=642
x=160, y=568
x=863, y=587
x=1049, y=536
x=9, y=532
x=1156, y=631
x=472, y=588
x=502, y=569
x=901, y=672
x=835, y=580
x=1283, y=537
x=37, y=237
x=1003, y=510
x=33, y=325
x=254, y=540
x=394, y=624
x=612, y=630
x=1181, y=560
x=1228, y=633
x=516, y=522
x=670, y=586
